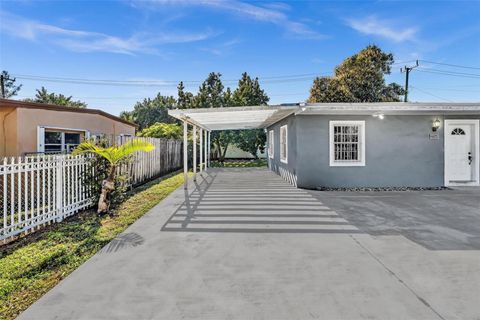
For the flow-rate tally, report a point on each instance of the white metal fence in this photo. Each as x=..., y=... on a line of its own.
x=39, y=190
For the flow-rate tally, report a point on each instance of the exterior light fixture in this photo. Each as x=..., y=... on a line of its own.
x=435, y=125
x=380, y=116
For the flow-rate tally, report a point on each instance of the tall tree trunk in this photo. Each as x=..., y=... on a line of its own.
x=224, y=152
x=108, y=186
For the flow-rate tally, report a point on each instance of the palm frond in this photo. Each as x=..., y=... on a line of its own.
x=114, y=154
x=132, y=146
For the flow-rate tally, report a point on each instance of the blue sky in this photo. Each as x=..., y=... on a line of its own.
x=154, y=44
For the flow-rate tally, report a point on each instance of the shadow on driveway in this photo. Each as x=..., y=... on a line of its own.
x=437, y=220
x=255, y=201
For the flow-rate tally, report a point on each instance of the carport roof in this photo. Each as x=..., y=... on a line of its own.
x=233, y=118
x=255, y=117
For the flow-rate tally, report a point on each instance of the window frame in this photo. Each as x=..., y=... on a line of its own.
x=361, y=143
x=271, y=142
x=285, y=159
x=41, y=130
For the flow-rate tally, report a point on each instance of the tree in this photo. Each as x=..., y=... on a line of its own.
x=127, y=115
x=251, y=141
x=163, y=130
x=43, y=96
x=150, y=111
x=9, y=87
x=249, y=93
x=185, y=98
x=359, y=78
x=114, y=155
x=210, y=94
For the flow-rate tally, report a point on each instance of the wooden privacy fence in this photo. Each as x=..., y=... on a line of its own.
x=44, y=189
x=166, y=157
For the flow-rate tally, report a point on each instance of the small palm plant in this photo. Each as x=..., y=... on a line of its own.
x=114, y=155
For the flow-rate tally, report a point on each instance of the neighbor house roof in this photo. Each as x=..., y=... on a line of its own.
x=231, y=118
x=44, y=106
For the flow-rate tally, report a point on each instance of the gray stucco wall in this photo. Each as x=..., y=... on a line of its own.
x=398, y=153
x=286, y=170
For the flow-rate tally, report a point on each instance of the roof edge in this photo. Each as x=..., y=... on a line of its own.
x=46, y=106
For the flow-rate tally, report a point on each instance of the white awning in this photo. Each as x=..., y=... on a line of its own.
x=233, y=118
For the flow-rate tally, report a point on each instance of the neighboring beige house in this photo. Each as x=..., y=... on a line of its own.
x=28, y=127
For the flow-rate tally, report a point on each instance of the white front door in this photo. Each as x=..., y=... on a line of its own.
x=461, y=152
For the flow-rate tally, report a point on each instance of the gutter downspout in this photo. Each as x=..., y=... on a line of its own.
x=5, y=132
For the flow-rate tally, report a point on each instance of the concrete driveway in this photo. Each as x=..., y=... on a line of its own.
x=437, y=220
x=243, y=244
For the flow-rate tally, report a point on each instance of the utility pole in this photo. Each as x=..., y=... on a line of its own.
x=407, y=73
x=2, y=84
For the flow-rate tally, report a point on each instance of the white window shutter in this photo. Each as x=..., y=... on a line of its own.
x=40, y=139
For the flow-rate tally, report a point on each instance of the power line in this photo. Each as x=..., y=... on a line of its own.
x=450, y=89
x=162, y=83
x=451, y=65
x=447, y=73
x=431, y=94
x=453, y=72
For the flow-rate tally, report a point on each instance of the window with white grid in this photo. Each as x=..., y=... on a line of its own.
x=270, y=143
x=347, y=143
x=283, y=143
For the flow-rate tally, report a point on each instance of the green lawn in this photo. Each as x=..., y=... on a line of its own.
x=31, y=266
x=239, y=163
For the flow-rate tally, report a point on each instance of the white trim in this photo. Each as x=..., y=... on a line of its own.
x=40, y=139
x=65, y=129
x=284, y=160
x=476, y=152
x=362, y=143
x=271, y=143
x=41, y=136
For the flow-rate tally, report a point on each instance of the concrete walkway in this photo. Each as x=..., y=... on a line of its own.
x=246, y=245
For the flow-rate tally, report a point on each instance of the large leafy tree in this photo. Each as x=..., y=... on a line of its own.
x=10, y=89
x=359, y=78
x=163, y=130
x=43, y=96
x=251, y=141
x=150, y=111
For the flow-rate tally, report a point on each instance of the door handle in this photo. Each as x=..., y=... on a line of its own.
x=470, y=158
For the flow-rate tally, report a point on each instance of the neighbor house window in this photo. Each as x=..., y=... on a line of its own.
x=283, y=143
x=56, y=141
x=347, y=143
x=271, y=138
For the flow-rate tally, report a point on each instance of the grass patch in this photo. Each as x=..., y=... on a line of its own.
x=240, y=163
x=34, y=264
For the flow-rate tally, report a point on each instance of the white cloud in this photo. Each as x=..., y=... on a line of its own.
x=88, y=41
x=383, y=28
x=270, y=13
x=222, y=48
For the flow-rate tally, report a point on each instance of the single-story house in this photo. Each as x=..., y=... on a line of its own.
x=29, y=128
x=343, y=145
